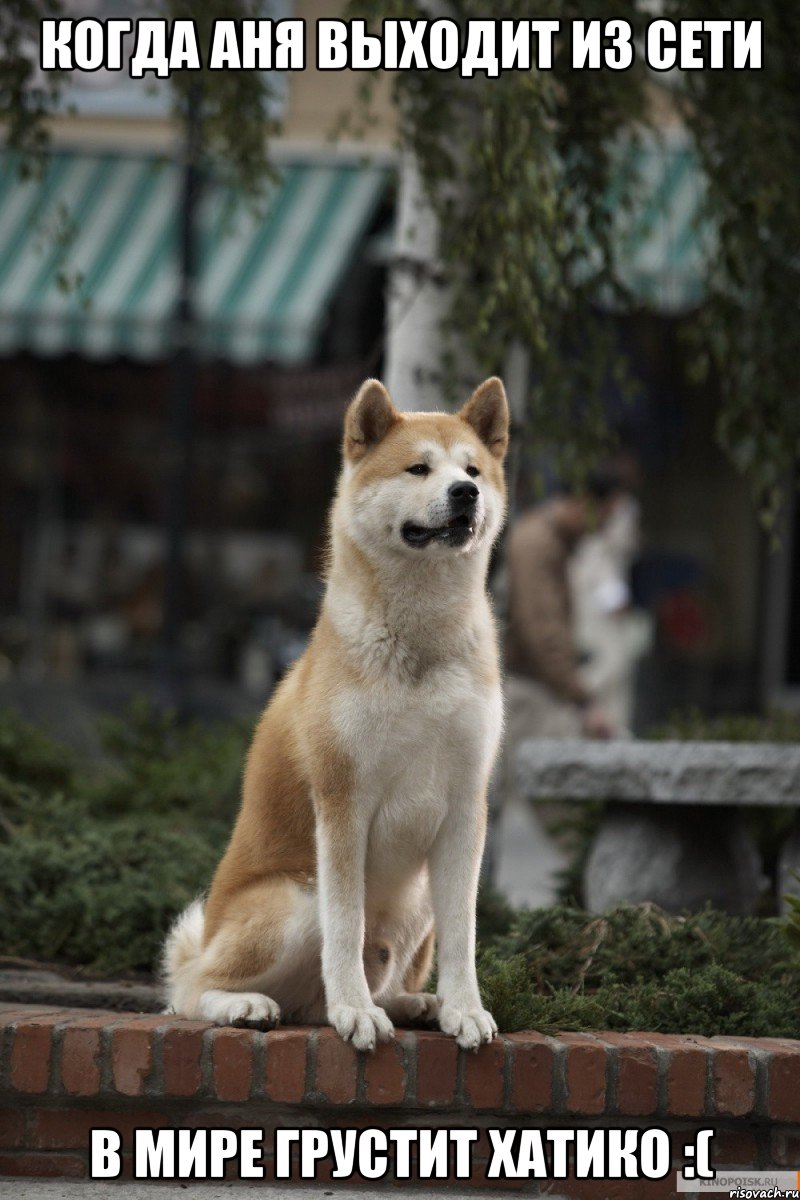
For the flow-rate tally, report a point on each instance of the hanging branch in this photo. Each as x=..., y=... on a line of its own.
x=534, y=179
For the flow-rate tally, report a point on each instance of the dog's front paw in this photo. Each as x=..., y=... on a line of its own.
x=469, y=1026
x=361, y=1026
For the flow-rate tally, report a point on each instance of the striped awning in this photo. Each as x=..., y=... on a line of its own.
x=89, y=257
x=663, y=245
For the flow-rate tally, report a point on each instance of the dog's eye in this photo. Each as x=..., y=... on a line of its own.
x=419, y=469
x=472, y=471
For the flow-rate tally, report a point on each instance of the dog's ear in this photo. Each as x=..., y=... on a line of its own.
x=369, y=418
x=487, y=412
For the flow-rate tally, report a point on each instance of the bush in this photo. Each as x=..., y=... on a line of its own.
x=159, y=765
x=637, y=968
x=95, y=862
x=691, y=725
x=30, y=756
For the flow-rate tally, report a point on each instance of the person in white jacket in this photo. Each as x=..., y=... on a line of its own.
x=610, y=634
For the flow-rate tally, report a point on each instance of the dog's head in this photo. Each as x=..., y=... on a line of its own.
x=424, y=484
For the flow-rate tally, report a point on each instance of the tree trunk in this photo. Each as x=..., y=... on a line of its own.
x=417, y=300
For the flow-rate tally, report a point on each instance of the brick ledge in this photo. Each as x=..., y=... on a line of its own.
x=82, y=1053
x=63, y=1070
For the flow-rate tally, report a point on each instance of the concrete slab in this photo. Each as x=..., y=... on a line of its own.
x=742, y=773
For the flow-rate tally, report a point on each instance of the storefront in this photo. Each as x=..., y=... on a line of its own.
x=288, y=315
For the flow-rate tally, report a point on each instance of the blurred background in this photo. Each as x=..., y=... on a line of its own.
x=176, y=358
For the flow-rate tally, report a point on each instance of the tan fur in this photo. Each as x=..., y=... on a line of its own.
x=417, y=974
x=304, y=774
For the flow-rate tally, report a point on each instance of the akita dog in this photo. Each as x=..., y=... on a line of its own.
x=363, y=814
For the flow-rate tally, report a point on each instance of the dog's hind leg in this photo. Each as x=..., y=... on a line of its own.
x=262, y=958
x=411, y=1004
x=251, y=1009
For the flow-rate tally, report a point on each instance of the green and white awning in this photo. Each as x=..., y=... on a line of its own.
x=89, y=251
x=663, y=246
x=88, y=257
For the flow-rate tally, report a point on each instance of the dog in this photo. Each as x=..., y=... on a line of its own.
x=363, y=812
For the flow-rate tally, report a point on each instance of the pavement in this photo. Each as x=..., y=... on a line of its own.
x=79, y=1189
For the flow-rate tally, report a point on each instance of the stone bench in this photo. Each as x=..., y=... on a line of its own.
x=672, y=832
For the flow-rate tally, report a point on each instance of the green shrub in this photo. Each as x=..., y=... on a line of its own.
x=710, y=1002
x=100, y=895
x=637, y=968
x=30, y=756
x=567, y=947
x=691, y=725
x=160, y=765
x=95, y=863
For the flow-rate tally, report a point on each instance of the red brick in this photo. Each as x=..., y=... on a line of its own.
x=734, y=1083
x=687, y=1072
x=127, y=1166
x=734, y=1148
x=13, y=1013
x=483, y=1075
x=337, y=1068
x=637, y=1073
x=618, y=1189
x=532, y=1062
x=99, y=1018
x=232, y=1063
x=81, y=1056
x=785, y=1148
x=221, y=1116
x=31, y=1055
x=51, y=1166
x=504, y=1185
x=80, y=1061
x=585, y=1074
x=784, y=1085
x=286, y=1065
x=70, y=1128
x=182, y=1049
x=385, y=1073
x=132, y=1058
x=12, y=1128
x=437, y=1062
x=785, y=1045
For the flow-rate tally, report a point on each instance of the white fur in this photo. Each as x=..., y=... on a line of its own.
x=184, y=943
x=423, y=746
x=239, y=1008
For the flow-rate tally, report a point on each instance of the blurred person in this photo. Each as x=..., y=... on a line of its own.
x=611, y=634
x=547, y=695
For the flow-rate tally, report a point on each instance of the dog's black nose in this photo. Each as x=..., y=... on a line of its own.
x=462, y=494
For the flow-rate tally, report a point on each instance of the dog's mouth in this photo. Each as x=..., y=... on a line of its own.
x=456, y=532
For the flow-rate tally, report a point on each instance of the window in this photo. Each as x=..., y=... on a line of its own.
x=114, y=94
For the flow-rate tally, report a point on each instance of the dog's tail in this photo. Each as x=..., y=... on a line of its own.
x=180, y=959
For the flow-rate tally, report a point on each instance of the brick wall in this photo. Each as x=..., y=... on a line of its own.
x=64, y=1071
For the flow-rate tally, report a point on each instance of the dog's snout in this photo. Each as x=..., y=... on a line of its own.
x=463, y=494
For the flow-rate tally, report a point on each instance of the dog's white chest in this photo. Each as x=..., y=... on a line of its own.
x=415, y=750
x=392, y=731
